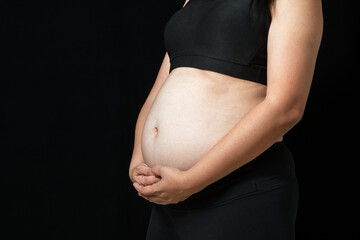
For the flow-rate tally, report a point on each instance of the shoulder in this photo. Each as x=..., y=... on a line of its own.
x=186, y=1
x=281, y=8
x=298, y=16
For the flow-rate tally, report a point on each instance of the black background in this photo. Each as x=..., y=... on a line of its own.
x=73, y=79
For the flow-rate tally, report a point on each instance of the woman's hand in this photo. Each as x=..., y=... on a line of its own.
x=142, y=175
x=172, y=188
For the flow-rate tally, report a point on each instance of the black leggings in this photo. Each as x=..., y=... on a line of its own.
x=258, y=201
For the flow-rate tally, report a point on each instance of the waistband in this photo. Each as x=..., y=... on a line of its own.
x=251, y=73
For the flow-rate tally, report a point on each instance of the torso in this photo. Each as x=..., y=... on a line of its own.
x=193, y=110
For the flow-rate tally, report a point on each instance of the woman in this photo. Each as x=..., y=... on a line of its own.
x=208, y=149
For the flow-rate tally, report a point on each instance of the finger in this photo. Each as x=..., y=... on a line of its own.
x=146, y=180
x=143, y=169
x=156, y=170
x=145, y=190
x=148, y=197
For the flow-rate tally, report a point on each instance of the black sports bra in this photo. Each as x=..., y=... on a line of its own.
x=225, y=36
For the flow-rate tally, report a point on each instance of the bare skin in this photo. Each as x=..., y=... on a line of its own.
x=192, y=112
x=197, y=126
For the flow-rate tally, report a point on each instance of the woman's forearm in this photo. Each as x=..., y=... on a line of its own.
x=251, y=136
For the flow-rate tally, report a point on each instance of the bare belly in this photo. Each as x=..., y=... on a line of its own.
x=193, y=110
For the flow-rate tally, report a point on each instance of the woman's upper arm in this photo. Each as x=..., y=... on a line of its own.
x=293, y=42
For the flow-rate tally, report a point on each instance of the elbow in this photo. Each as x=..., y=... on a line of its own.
x=287, y=115
x=292, y=116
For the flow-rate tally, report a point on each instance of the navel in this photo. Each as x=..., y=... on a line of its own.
x=155, y=130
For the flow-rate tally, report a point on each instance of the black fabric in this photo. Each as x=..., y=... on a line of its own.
x=225, y=36
x=257, y=201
